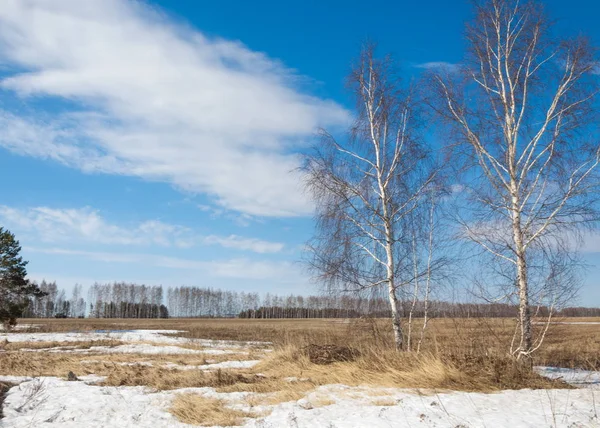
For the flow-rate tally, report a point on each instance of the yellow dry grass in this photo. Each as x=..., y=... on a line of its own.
x=567, y=345
x=196, y=409
x=166, y=379
x=318, y=400
x=16, y=346
x=466, y=354
x=122, y=369
x=406, y=370
x=384, y=402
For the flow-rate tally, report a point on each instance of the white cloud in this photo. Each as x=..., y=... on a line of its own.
x=241, y=268
x=240, y=243
x=440, y=65
x=86, y=224
x=157, y=100
x=51, y=225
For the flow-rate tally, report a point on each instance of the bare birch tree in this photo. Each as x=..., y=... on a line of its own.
x=368, y=186
x=523, y=109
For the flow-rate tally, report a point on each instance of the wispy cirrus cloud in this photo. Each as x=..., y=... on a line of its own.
x=87, y=225
x=448, y=67
x=149, y=97
x=241, y=243
x=237, y=268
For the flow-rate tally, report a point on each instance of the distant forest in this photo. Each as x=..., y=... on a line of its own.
x=125, y=300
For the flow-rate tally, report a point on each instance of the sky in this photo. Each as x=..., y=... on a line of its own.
x=157, y=141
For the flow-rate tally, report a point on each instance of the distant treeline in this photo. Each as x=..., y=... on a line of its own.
x=126, y=300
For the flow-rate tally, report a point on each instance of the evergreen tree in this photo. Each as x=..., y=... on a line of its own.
x=15, y=289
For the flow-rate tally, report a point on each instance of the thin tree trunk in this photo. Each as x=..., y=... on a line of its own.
x=526, y=343
x=396, y=322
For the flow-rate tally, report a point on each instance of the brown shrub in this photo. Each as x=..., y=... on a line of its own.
x=327, y=354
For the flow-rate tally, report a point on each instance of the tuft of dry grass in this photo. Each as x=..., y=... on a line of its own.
x=167, y=379
x=384, y=402
x=408, y=370
x=120, y=369
x=41, y=364
x=196, y=409
x=271, y=391
x=318, y=400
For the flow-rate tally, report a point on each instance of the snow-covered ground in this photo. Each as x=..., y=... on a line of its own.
x=152, y=336
x=51, y=402
x=47, y=402
x=132, y=348
x=576, y=377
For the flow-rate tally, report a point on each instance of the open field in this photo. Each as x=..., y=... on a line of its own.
x=262, y=373
x=570, y=342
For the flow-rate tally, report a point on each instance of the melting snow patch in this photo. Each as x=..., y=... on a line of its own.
x=514, y=409
x=223, y=365
x=124, y=335
x=152, y=336
x=50, y=402
x=577, y=377
x=15, y=379
x=91, y=379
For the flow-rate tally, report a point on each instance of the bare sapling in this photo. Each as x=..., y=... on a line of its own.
x=522, y=108
x=368, y=186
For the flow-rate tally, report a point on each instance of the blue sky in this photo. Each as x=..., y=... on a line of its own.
x=153, y=141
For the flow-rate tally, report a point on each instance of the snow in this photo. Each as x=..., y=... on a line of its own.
x=570, y=322
x=223, y=365
x=15, y=379
x=577, y=377
x=20, y=327
x=134, y=348
x=91, y=378
x=237, y=364
x=122, y=335
x=154, y=342
x=52, y=402
x=514, y=409
x=152, y=336
x=47, y=402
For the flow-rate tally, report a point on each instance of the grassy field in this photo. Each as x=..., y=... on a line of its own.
x=455, y=355
x=570, y=342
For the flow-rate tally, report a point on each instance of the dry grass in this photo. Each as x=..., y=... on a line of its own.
x=196, y=409
x=271, y=391
x=457, y=354
x=384, y=402
x=567, y=345
x=464, y=354
x=166, y=379
x=125, y=369
x=16, y=346
x=390, y=369
x=318, y=400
